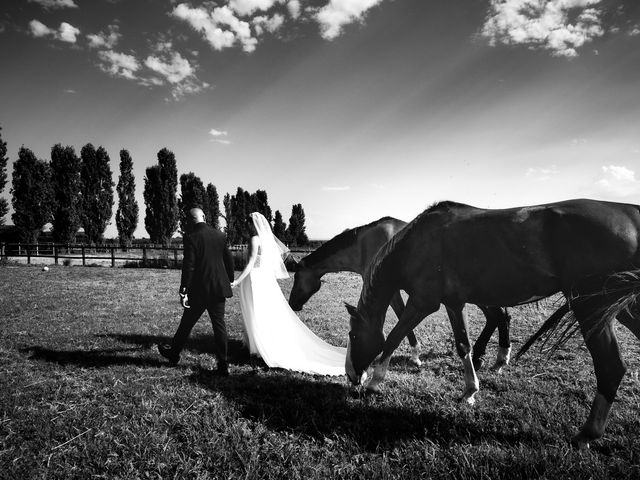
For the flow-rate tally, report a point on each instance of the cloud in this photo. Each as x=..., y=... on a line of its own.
x=338, y=13
x=69, y=91
x=68, y=33
x=268, y=24
x=39, y=29
x=336, y=189
x=65, y=33
x=105, y=40
x=220, y=27
x=119, y=64
x=231, y=24
x=189, y=86
x=617, y=181
x=175, y=70
x=294, y=8
x=615, y=174
x=247, y=7
x=52, y=4
x=165, y=67
x=217, y=133
x=541, y=174
x=561, y=26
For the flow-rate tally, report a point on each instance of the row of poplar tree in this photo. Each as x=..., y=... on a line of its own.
x=72, y=192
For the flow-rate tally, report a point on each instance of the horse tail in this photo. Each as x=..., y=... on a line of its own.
x=551, y=323
x=621, y=291
x=617, y=293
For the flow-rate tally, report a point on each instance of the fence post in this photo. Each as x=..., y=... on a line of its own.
x=83, y=256
x=175, y=257
x=55, y=253
x=28, y=255
x=19, y=250
x=144, y=256
x=113, y=256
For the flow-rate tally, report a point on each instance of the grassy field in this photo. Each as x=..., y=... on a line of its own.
x=84, y=394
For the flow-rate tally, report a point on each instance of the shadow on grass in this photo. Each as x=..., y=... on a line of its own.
x=91, y=358
x=237, y=353
x=404, y=361
x=100, y=358
x=326, y=410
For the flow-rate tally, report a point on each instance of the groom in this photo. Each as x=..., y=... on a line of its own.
x=207, y=272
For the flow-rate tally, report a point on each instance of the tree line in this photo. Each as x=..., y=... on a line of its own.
x=73, y=192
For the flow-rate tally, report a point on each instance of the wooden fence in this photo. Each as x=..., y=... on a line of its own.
x=149, y=255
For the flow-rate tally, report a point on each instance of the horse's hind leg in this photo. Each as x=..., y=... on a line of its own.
x=398, y=307
x=504, y=341
x=496, y=318
x=628, y=320
x=480, y=347
x=463, y=346
x=609, y=369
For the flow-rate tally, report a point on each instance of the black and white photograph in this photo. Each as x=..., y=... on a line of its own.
x=319, y=239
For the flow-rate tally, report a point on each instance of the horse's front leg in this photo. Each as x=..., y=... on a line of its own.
x=410, y=318
x=463, y=346
x=398, y=307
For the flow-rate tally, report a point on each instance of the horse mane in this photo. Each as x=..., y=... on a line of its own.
x=381, y=261
x=341, y=241
x=443, y=205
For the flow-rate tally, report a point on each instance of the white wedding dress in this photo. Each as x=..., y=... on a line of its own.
x=274, y=331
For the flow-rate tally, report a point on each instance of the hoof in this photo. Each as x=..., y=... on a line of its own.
x=477, y=363
x=504, y=355
x=373, y=387
x=498, y=366
x=373, y=391
x=580, y=442
x=468, y=398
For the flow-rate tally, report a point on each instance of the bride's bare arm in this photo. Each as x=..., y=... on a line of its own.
x=254, y=243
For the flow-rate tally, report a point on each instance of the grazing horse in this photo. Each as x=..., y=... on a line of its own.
x=454, y=254
x=352, y=251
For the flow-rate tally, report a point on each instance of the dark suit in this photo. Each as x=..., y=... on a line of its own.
x=207, y=273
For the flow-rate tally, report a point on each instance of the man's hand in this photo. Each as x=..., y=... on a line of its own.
x=184, y=300
x=234, y=284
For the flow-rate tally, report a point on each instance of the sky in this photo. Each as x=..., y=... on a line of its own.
x=356, y=109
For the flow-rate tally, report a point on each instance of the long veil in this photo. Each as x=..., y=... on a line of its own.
x=273, y=251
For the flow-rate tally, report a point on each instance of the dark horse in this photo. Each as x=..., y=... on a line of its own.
x=352, y=251
x=454, y=254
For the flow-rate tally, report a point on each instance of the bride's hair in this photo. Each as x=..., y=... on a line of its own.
x=251, y=228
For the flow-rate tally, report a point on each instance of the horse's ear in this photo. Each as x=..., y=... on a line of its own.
x=353, y=311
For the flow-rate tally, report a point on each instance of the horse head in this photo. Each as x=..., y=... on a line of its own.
x=306, y=282
x=365, y=343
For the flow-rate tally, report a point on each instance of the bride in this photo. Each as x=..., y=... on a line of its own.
x=272, y=329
